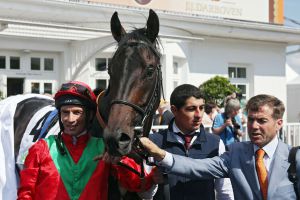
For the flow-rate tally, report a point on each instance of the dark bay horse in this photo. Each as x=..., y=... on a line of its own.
x=125, y=109
x=135, y=85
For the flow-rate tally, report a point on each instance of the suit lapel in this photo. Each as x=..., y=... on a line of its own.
x=250, y=171
x=279, y=169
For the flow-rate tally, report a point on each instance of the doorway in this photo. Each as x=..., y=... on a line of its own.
x=15, y=86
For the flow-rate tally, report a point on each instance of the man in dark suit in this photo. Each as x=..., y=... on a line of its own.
x=257, y=169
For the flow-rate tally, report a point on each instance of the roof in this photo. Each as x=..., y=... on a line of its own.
x=80, y=20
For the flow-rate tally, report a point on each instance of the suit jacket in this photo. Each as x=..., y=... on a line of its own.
x=239, y=165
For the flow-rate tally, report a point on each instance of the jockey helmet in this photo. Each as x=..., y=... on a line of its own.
x=75, y=93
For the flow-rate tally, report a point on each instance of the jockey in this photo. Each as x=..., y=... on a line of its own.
x=63, y=166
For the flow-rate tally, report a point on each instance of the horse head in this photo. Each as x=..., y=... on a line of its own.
x=135, y=85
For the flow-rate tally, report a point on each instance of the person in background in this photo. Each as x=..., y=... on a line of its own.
x=228, y=124
x=258, y=169
x=63, y=166
x=163, y=115
x=186, y=136
x=211, y=110
x=164, y=112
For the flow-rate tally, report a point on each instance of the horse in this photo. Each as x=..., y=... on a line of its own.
x=135, y=85
x=124, y=109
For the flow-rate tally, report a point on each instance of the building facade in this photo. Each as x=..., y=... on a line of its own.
x=45, y=43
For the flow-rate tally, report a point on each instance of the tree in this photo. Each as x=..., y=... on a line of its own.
x=216, y=89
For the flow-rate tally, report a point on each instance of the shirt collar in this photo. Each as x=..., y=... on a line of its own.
x=270, y=148
x=177, y=130
x=81, y=138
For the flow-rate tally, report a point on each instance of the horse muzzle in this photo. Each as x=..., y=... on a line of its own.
x=118, y=142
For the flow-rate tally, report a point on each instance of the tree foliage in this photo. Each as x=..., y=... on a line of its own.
x=216, y=89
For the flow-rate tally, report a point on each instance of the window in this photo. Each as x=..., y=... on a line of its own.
x=2, y=62
x=35, y=63
x=108, y=62
x=242, y=89
x=175, y=67
x=101, y=83
x=48, y=64
x=14, y=62
x=238, y=75
x=35, y=88
x=237, y=72
x=100, y=64
x=48, y=88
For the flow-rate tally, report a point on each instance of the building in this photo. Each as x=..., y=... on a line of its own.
x=293, y=84
x=45, y=43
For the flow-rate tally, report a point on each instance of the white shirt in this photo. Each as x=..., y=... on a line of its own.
x=270, y=149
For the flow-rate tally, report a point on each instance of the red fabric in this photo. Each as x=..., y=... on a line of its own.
x=130, y=180
x=75, y=150
x=41, y=180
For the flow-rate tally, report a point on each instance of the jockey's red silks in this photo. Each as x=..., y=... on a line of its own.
x=76, y=175
x=49, y=175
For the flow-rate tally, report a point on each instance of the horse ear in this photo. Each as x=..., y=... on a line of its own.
x=152, y=26
x=116, y=28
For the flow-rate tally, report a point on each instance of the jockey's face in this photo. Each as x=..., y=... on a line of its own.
x=73, y=119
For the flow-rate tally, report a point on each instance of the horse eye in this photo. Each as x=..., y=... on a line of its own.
x=150, y=70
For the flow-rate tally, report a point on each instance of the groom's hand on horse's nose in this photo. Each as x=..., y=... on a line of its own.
x=153, y=149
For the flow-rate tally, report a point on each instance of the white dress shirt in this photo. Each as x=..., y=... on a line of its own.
x=270, y=149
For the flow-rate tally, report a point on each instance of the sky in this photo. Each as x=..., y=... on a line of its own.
x=292, y=11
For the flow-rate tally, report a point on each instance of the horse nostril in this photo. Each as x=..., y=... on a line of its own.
x=124, y=143
x=124, y=137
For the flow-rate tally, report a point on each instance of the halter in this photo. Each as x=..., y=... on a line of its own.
x=154, y=96
x=145, y=113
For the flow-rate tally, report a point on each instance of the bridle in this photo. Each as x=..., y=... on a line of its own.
x=155, y=96
x=137, y=146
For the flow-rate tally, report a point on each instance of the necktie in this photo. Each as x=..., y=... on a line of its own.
x=262, y=172
x=186, y=138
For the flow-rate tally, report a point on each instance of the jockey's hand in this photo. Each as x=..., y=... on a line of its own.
x=153, y=149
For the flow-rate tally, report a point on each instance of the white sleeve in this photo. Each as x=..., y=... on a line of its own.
x=223, y=189
x=167, y=162
x=221, y=147
x=149, y=194
x=223, y=186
